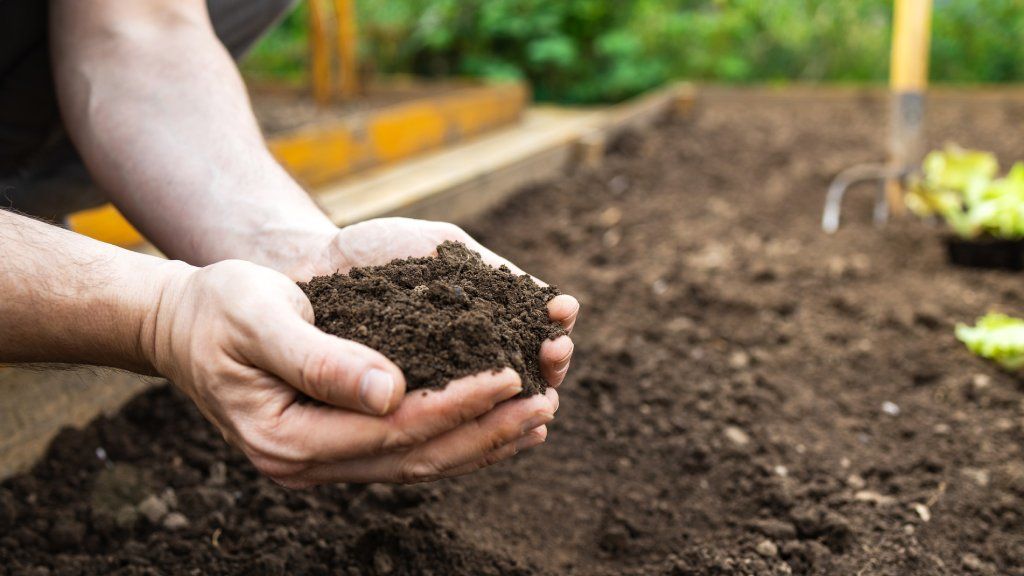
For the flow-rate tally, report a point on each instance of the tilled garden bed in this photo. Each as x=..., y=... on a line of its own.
x=748, y=396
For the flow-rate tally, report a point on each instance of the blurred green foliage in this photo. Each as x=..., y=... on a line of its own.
x=581, y=51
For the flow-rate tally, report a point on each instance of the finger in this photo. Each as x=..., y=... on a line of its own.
x=455, y=450
x=324, y=434
x=564, y=309
x=533, y=438
x=555, y=356
x=338, y=372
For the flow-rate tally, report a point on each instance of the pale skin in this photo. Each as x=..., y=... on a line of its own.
x=159, y=113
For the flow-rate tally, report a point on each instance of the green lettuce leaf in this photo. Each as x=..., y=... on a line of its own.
x=957, y=169
x=960, y=186
x=996, y=337
x=948, y=177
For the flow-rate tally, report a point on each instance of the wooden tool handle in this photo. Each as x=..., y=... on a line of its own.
x=348, y=61
x=319, y=51
x=911, y=39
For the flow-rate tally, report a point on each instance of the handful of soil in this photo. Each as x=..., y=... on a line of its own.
x=440, y=318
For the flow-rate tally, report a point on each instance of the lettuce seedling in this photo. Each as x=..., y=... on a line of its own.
x=997, y=337
x=960, y=186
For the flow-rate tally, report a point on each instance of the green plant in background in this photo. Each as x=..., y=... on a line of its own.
x=960, y=186
x=997, y=337
x=597, y=51
x=282, y=55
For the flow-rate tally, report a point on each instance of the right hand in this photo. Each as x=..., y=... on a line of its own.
x=239, y=340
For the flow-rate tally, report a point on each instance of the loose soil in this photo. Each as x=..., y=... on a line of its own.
x=440, y=318
x=749, y=395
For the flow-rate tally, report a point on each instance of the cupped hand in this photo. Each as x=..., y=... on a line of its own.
x=309, y=408
x=379, y=241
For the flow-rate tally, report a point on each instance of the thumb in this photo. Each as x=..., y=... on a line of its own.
x=335, y=371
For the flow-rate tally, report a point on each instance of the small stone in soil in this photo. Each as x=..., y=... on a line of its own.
x=126, y=517
x=767, y=548
x=67, y=534
x=153, y=508
x=175, y=521
x=737, y=436
x=890, y=408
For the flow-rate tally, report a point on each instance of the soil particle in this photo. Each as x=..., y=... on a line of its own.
x=153, y=509
x=767, y=548
x=66, y=534
x=440, y=318
x=175, y=521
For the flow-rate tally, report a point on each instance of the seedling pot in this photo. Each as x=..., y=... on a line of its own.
x=986, y=252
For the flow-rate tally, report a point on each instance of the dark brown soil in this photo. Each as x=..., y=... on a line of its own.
x=749, y=395
x=439, y=319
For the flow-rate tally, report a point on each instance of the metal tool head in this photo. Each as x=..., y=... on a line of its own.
x=883, y=174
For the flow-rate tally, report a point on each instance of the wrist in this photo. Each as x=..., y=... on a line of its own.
x=159, y=299
x=297, y=250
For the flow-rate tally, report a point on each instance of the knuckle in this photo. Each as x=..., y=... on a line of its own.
x=415, y=471
x=497, y=440
x=490, y=459
x=318, y=370
x=399, y=439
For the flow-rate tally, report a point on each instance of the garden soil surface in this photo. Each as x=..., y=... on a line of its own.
x=748, y=395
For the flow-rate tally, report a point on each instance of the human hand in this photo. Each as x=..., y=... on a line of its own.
x=239, y=340
x=379, y=241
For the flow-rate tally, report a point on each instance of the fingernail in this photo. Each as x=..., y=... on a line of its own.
x=508, y=391
x=562, y=367
x=575, y=316
x=527, y=442
x=376, y=389
x=537, y=420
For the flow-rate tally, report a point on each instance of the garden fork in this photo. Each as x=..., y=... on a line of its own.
x=907, y=82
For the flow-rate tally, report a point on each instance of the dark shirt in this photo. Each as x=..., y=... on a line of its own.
x=28, y=104
x=29, y=117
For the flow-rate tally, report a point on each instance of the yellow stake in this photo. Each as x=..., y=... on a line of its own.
x=908, y=79
x=348, y=43
x=319, y=52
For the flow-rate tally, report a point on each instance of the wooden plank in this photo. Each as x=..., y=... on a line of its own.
x=445, y=185
x=35, y=404
x=399, y=190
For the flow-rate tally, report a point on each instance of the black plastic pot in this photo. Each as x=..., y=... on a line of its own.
x=986, y=252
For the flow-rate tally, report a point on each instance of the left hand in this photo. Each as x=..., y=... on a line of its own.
x=379, y=241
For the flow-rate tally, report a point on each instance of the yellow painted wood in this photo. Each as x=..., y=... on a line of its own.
x=911, y=40
x=105, y=224
x=319, y=52
x=323, y=153
x=319, y=155
x=348, y=61
x=406, y=130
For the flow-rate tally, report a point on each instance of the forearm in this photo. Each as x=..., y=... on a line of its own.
x=66, y=298
x=160, y=114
